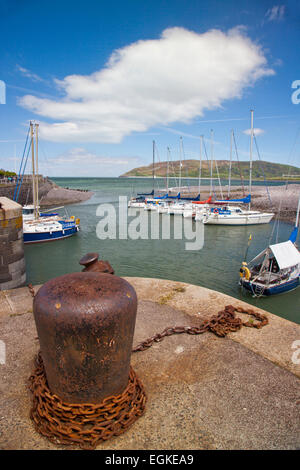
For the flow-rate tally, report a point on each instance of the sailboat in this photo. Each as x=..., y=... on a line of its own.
x=276, y=269
x=140, y=201
x=223, y=213
x=42, y=227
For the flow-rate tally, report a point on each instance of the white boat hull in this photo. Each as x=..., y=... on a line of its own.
x=243, y=219
x=189, y=214
x=162, y=210
x=136, y=205
x=175, y=210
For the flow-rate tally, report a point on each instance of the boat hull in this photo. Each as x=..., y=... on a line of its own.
x=273, y=290
x=136, y=205
x=40, y=237
x=238, y=220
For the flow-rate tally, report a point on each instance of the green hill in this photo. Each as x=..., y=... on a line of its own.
x=190, y=168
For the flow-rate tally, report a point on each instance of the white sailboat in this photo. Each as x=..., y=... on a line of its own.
x=227, y=214
x=37, y=228
x=140, y=201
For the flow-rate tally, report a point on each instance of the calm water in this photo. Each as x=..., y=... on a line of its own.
x=216, y=266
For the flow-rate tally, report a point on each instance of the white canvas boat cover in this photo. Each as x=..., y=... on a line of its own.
x=286, y=254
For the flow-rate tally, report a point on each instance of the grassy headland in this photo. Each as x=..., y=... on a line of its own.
x=239, y=170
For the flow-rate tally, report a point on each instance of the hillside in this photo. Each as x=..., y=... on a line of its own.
x=190, y=169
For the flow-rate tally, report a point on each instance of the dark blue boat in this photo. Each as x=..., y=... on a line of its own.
x=276, y=269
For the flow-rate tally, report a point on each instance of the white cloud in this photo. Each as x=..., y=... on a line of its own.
x=276, y=13
x=27, y=73
x=152, y=83
x=256, y=131
x=83, y=156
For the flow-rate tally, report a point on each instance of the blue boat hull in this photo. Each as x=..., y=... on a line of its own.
x=48, y=237
x=280, y=289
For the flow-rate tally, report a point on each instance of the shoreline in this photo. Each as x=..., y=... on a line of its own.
x=58, y=195
x=282, y=180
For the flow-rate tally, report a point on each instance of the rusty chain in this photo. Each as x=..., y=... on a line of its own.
x=220, y=324
x=84, y=424
x=88, y=424
x=31, y=290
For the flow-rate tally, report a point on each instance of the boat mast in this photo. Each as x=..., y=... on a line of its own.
x=180, y=156
x=36, y=170
x=211, y=161
x=168, y=160
x=230, y=165
x=33, y=170
x=251, y=149
x=200, y=163
x=153, y=158
x=297, y=216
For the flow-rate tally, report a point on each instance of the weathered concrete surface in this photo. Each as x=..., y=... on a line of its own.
x=273, y=342
x=204, y=392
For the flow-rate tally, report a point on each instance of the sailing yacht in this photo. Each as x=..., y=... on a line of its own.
x=144, y=200
x=276, y=269
x=235, y=215
x=139, y=201
x=39, y=228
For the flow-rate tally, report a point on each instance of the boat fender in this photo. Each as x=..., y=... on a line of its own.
x=245, y=273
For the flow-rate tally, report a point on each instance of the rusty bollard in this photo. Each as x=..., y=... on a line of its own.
x=84, y=388
x=85, y=323
x=92, y=263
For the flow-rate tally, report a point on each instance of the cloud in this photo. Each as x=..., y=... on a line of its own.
x=256, y=131
x=152, y=83
x=83, y=156
x=27, y=73
x=276, y=13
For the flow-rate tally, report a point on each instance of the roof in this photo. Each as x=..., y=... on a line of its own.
x=286, y=254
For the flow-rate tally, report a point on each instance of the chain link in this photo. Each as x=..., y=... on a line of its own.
x=220, y=324
x=84, y=424
x=31, y=290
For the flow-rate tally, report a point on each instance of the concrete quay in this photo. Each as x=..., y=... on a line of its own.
x=204, y=392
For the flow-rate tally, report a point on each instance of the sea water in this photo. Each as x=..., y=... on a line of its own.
x=215, y=266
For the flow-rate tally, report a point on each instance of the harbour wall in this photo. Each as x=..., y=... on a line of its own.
x=12, y=261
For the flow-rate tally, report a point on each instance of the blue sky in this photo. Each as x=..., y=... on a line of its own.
x=105, y=79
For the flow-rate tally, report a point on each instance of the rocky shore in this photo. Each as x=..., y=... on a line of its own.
x=58, y=195
x=50, y=194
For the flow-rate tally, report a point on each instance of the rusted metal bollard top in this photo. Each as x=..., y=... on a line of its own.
x=85, y=323
x=91, y=263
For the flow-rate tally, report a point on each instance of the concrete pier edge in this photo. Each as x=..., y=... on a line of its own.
x=204, y=392
x=274, y=342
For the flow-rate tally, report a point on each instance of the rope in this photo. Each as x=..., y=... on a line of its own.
x=20, y=170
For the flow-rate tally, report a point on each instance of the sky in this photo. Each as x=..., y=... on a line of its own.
x=106, y=79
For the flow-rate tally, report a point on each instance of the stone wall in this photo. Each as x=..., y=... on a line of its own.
x=25, y=194
x=12, y=261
